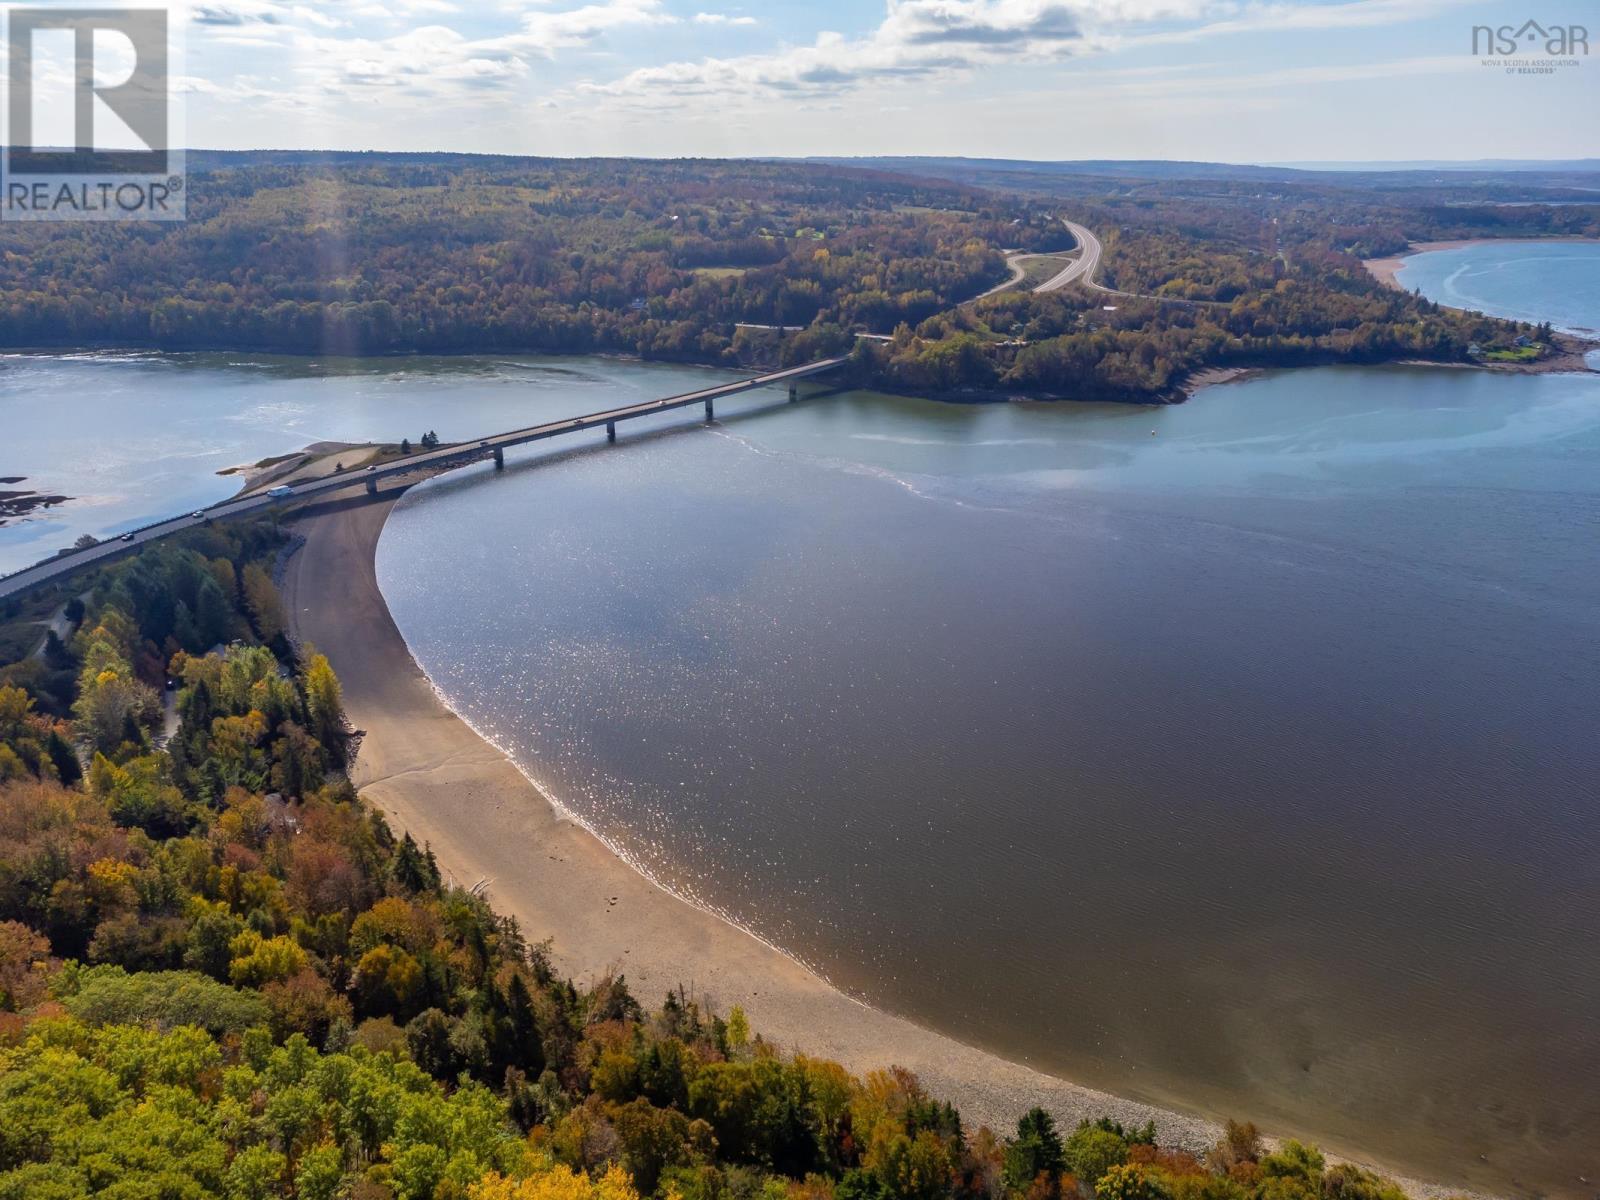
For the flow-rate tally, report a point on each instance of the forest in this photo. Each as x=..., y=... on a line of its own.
x=406, y=255
x=757, y=264
x=1229, y=267
x=222, y=974
x=1200, y=304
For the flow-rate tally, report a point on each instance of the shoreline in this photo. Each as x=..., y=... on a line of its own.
x=1573, y=348
x=1385, y=269
x=493, y=828
x=431, y=774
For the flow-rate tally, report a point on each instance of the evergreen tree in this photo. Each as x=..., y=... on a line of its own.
x=1036, y=1151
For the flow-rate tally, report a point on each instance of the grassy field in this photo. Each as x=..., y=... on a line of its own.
x=1515, y=355
x=1037, y=270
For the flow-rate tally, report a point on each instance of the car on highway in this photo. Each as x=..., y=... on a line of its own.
x=281, y=490
x=127, y=537
x=372, y=468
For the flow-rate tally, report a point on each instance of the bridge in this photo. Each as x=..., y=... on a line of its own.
x=445, y=458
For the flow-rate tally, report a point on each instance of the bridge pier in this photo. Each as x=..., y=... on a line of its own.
x=611, y=431
x=710, y=412
x=372, y=486
x=794, y=392
x=499, y=458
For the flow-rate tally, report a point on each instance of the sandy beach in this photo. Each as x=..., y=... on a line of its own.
x=431, y=774
x=1572, y=351
x=434, y=776
x=1198, y=381
x=1384, y=270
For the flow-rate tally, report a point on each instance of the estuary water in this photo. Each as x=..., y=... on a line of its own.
x=1557, y=282
x=131, y=438
x=1239, y=755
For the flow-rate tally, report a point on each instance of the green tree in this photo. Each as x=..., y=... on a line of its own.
x=1092, y=1150
x=320, y=1173
x=256, y=1172
x=1035, y=1151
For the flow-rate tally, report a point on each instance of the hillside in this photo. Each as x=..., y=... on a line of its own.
x=707, y=261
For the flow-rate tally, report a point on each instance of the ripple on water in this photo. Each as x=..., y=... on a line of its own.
x=1253, y=775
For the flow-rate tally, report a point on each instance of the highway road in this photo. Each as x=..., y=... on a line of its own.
x=1089, y=262
x=1083, y=267
x=1019, y=270
x=444, y=458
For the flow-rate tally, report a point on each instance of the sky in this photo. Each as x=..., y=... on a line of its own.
x=1222, y=80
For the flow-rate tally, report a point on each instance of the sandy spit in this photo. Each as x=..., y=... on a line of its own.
x=434, y=776
x=1198, y=381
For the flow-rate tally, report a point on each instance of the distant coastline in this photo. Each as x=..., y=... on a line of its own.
x=1575, y=352
x=1385, y=269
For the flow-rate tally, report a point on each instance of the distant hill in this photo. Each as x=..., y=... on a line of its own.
x=1135, y=168
x=1103, y=168
x=1573, y=182
x=1561, y=165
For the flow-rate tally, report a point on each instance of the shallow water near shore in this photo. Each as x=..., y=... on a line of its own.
x=135, y=437
x=1557, y=282
x=1238, y=755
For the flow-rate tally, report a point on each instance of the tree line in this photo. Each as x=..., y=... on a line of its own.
x=529, y=256
x=1199, y=303
x=685, y=261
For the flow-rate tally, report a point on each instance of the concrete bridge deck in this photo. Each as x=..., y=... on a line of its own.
x=443, y=459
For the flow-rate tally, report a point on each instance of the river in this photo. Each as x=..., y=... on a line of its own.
x=1557, y=282
x=131, y=438
x=1238, y=755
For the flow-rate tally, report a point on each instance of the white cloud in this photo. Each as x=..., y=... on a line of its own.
x=916, y=39
x=712, y=18
x=427, y=59
x=1288, y=18
x=396, y=10
x=544, y=32
x=922, y=38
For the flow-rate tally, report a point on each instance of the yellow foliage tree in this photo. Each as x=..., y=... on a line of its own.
x=261, y=598
x=325, y=702
x=258, y=960
x=556, y=1183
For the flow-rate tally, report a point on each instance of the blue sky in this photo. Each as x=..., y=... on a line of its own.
x=1231, y=80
